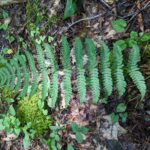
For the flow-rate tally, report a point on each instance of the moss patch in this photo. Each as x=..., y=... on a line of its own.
x=28, y=111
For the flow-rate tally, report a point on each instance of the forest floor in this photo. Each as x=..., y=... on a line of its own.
x=134, y=134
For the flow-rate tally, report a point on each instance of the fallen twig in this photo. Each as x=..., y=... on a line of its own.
x=8, y=2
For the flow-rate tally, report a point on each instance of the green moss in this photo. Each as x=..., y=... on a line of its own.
x=28, y=111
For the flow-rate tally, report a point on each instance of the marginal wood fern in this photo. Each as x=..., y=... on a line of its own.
x=15, y=73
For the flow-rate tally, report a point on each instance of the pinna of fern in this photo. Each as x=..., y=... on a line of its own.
x=92, y=68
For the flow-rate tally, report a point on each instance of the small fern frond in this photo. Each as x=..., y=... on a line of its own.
x=34, y=73
x=93, y=71
x=65, y=52
x=118, y=69
x=134, y=72
x=67, y=86
x=105, y=69
x=54, y=80
x=22, y=62
x=42, y=65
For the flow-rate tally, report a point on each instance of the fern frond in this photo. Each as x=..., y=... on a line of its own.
x=54, y=80
x=134, y=72
x=65, y=52
x=43, y=69
x=93, y=71
x=22, y=62
x=118, y=69
x=105, y=69
x=14, y=62
x=67, y=86
x=34, y=73
x=81, y=82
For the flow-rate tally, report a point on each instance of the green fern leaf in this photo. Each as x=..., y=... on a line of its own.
x=118, y=69
x=134, y=72
x=34, y=73
x=81, y=82
x=43, y=70
x=105, y=69
x=22, y=62
x=65, y=52
x=93, y=71
x=54, y=80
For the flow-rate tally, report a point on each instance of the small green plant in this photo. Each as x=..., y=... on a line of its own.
x=119, y=113
x=28, y=111
x=70, y=8
x=54, y=140
x=79, y=132
x=119, y=25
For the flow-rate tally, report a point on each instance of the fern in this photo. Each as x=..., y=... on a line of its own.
x=43, y=70
x=93, y=71
x=65, y=52
x=134, y=72
x=105, y=69
x=81, y=82
x=22, y=61
x=34, y=73
x=54, y=80
x=118, y=69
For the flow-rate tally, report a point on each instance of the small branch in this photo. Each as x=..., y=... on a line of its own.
x=8, y=2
